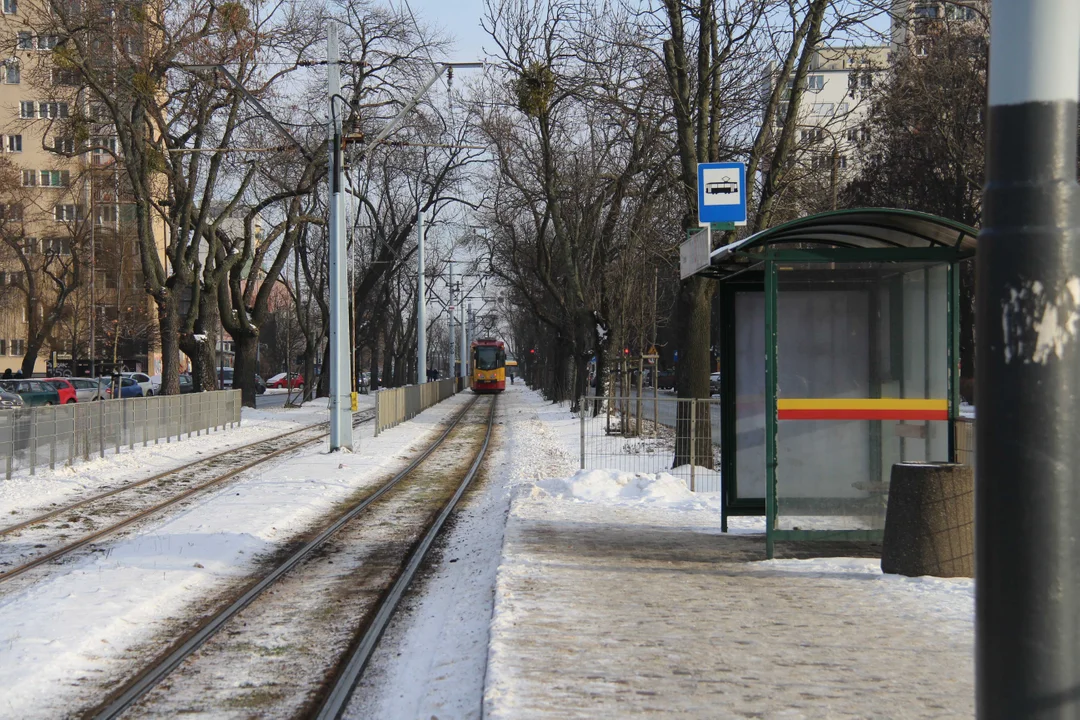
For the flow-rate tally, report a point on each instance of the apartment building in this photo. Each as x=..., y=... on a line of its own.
x=67, y=221
x=833, y=111
x=913, y=22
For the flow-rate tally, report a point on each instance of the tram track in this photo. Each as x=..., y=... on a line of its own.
x=112, y=511
x=300, y=634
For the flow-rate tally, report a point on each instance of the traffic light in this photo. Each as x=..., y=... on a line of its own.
x=626, y=351
x=532, y=351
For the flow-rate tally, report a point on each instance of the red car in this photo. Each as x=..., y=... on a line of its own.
x=64, y=389
x=279, y=381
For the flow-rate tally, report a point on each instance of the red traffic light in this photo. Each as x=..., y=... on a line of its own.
x=532, y=351
x=626, y=351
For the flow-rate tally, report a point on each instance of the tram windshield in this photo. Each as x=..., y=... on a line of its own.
x=489, y=357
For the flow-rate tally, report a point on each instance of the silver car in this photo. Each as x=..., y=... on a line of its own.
x=87, y=389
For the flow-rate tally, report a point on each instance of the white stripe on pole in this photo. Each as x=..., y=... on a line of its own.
x=1036, y=56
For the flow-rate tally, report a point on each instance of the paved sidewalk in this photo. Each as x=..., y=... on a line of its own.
x=598, y=619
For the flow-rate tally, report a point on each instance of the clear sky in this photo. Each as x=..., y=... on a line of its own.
x=458, y=18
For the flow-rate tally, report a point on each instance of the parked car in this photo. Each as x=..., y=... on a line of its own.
x=714, y=383
x=144, y=380
x=128, y=388
x=279, y=381
x=88, y=390
x=65, y=389
x=32, y=392
x=186, y=384
x=10, y=401
x=155, y=383
x=665, y=380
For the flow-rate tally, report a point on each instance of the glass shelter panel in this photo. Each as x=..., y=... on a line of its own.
x=862, y=383
x=750, y=395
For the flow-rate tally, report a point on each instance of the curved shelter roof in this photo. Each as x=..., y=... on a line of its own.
x=863, y=228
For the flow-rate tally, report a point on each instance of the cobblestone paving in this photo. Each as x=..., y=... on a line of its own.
x=598, y=620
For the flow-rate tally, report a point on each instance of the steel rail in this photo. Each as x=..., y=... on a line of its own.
x=142, y=515
x=181, y=468
x=151, y=676
x=337, y=700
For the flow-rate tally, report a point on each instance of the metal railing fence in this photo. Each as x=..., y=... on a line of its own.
x=639, y=435
x=396, y=405
x=33, y=437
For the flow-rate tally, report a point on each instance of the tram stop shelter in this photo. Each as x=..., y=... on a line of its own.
x=839, y=358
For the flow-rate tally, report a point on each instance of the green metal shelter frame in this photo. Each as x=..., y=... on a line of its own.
x=843, y=239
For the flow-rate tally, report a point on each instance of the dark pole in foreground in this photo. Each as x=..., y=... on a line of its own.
x=1028, y=370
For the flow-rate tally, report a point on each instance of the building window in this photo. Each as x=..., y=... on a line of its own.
x=926, y=11
x=12, y=213
x=812, y=135
x=959, y=12
x=26, y=41
x=66, y=213
x=18, y=345
x=13, y=143
x=65, y=77
x=841, y=162
x=57, y=245
x=11, y=7
x=815, y=82
x=48, y=42
x=29, y=246
x=842, y=108
x=63, y=145
x=3, y=346
x=12, y=75
x=99, y=112
x=106, y=214
x=29, y=178
x=52, y=110
x=55, y=178
x=26, y=109
x=104, y=145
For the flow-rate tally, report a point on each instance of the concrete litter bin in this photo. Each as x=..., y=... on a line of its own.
x=930, y=521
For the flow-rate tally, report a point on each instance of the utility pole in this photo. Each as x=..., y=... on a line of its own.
x=421, y=302
x=450, y=370
x=1028, y=369
x=464, y=343
x=340, y=403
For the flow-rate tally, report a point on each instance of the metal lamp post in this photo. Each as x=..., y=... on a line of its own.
x=1027, y=495
x=340, y=365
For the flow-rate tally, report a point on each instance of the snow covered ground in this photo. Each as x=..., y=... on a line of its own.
x=24, y=493
x=71, y=632
x=617, y=595
x=605, y=593
x=557, y=594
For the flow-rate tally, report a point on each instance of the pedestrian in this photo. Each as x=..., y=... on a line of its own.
x=511, y=377
x=18, y=374
x=7, y=374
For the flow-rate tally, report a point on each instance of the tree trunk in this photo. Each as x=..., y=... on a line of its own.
x=373, y=381
x=692, y=371
x=324, y=378
x=309, y=371
x=244, y=368
x=169, y=331
x=388, y=368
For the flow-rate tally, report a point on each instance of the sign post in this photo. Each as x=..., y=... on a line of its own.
x=722, y=195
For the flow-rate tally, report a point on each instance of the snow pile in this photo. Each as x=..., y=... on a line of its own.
x=619, y=487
